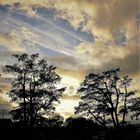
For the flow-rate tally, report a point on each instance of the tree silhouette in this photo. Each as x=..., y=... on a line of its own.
x=79, y=123
x=87, y=129
x=134, y=107
x=34, y=89
x=55, y=121
x=105, y=97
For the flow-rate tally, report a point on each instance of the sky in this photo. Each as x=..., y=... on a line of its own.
x=77, y=36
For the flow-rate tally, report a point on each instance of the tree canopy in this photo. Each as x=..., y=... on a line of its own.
x=34, y=87
x=106, y=98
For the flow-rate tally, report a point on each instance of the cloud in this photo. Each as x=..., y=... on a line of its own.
x=112, y=22
x=105, y=13
x=76, y=74
x=3, y=101
x=67, y=97
x=105, y=17
x=66, y=107
x=4, y=87
x=93, y=16
x=101, y=57
x=27, y=31
x=15, y=40
x=102, y=14
x=114, y=14
x=8, y=41
x=70, y=93
x=24, y=2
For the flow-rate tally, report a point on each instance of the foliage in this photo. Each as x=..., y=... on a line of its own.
x=134, y=107
x=106, y=97
x=80, y=123
x=34, y=87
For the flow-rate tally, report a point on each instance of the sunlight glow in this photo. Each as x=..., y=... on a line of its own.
x=66, y=107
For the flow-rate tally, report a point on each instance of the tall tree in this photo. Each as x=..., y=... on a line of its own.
x=105, y=97
x=34, y=88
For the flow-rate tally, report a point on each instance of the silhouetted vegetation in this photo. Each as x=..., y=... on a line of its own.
x=106, y=102
x=72, y=129
x=34, y=89
x=107, y=98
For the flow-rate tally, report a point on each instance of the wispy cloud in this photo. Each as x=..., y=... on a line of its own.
x=52, y=38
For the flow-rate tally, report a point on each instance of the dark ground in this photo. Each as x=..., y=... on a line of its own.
x=67, y=134
x=130, y=132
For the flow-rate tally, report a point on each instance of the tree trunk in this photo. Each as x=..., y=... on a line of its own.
x=109, y=98
x=31, y=114
x=31, y=107
x=113, y=119
x=124, y=113
x=24, y=100
x=116, y=107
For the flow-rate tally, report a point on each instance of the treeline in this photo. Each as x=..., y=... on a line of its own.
x=71, y=129
x=106, y=98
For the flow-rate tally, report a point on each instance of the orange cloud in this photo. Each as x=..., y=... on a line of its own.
x=9, y=42
x=4, y=87
x=79, y=74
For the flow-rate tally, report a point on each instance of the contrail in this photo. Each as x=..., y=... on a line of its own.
x=66, y=31
x=62, y=48
x=60, y=29
x=18, y=22
x=42, y=33
x=64, y=51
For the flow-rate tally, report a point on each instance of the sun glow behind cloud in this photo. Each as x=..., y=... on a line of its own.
x=66, y=107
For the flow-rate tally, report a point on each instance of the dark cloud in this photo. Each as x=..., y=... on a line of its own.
x=120, y=38
x=64, y=61
x=130, y=64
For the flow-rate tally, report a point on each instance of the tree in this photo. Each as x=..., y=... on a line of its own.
x=134, y=108
x=34, y=89
x=55, y=121
x=79, y=123
x=105, y=97
x=49, y=122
